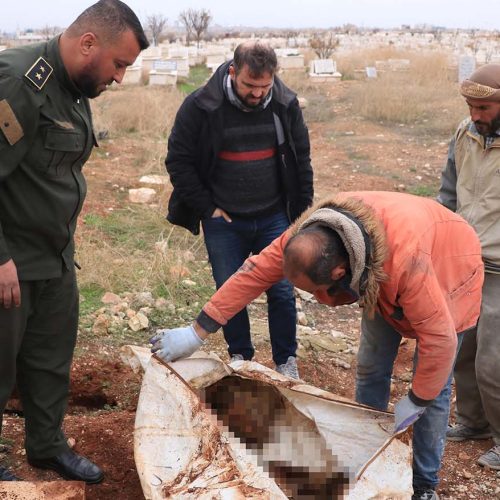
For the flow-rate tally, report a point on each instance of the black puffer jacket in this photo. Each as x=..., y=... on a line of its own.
x=195, y=141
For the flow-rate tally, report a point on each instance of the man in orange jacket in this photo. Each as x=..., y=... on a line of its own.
x=415, y=268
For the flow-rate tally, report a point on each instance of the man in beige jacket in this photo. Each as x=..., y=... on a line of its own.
x=471, y=187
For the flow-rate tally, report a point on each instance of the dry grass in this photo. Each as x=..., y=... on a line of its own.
x=425, y=95
x=134, y=249
x=146, y=111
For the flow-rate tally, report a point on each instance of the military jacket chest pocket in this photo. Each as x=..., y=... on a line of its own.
x=59, y=150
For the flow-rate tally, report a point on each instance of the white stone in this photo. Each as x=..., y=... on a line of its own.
x=154, y=179
x=303, y=102
x=138, y=322
x=302, y=318
x=141, y=195
x=306, y=296
x=132, y=75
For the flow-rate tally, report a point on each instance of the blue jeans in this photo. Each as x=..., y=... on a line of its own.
x=378, y=348
x=228, y=245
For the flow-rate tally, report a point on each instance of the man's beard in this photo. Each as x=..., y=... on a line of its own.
x=244, y=99
x=493, y=126
x=87, y=82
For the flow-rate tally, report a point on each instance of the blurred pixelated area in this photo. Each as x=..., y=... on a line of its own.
x=287, y=444
x=208, y=430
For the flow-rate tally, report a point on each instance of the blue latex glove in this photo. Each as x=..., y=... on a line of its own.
x=406, y=413
x=176, y=343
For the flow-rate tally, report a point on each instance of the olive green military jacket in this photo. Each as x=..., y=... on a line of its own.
x=45, y=138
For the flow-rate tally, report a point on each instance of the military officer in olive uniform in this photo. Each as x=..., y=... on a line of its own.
x=45, y=138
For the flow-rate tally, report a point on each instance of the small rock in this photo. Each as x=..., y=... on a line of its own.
x=116, y=325
x=301, y=318
x=466, y=474
x=130, y=313
x=160, y=180
x=101, y=325
x=342, y=364
x=307, y=330
x=119, y=308
x=138, y=322
x=146, y=310
x=188, y=283
x=463, y=456
x=71, y=442
x=336, y=334
x=306, y=296
x=141, y=195
x=303, y=102
x=261, y=299
x=143, y=299
x=327, y=344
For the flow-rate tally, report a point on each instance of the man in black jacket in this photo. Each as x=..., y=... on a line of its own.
x=239, y=162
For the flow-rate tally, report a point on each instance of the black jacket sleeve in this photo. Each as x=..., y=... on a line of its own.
x=183, y=161
x=300, y=137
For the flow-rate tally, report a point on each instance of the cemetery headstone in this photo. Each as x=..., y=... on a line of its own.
x=466, y=66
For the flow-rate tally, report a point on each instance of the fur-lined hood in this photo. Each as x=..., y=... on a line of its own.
x=374, y=273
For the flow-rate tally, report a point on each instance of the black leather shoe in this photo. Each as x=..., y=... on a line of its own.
x=71, y=466
x=6, y=475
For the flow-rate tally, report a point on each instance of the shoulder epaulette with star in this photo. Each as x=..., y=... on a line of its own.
x=39, y=73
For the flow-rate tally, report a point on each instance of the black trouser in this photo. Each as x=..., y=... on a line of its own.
x=37, y=341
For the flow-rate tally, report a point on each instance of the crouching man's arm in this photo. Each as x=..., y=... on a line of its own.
x=256, y=275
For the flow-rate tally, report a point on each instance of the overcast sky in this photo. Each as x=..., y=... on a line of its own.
x=24, y=14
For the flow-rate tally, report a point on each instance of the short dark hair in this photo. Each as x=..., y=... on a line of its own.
x=259, y=57
x=108, y=19
x=328, y=251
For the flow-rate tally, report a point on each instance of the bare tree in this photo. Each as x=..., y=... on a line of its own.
x=196, y=23
x=156, y=24
x=324, y=46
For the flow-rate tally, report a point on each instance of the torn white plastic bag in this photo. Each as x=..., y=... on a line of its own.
x=207, y=430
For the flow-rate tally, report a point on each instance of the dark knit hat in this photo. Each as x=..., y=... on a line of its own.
x=484, y=83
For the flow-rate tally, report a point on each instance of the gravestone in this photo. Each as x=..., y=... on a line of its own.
x=215, y=60
x=163, y=73
x=324, y=70
x=132, y=76
x=324, y=66
x=165, y=65
x=466, y=66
